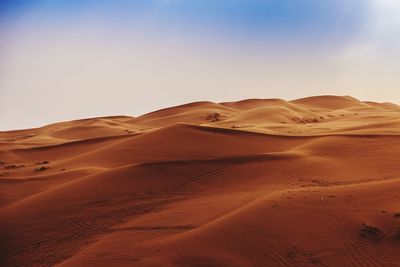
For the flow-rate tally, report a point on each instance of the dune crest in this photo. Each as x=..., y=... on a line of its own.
x=258, y=182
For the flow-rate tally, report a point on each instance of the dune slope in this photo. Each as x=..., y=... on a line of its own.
x=258, y=182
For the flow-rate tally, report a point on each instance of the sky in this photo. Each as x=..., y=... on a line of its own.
x=69, y=59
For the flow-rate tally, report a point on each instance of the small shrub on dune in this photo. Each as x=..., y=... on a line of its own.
x=369, y=231
x=42, y=163
x=43, y=168
x=213, y=117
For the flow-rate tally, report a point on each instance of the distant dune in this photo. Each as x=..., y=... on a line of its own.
x=259, y=182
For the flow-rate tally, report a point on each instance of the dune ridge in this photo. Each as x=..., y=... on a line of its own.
x=258, y=182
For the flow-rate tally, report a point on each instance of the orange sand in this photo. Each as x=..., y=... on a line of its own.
x=309, y=182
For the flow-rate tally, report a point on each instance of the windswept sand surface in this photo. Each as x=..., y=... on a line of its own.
x=309, y=182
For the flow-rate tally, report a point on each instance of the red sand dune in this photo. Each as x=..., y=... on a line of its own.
x=309, y=182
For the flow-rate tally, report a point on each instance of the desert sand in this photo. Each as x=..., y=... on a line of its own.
x=308, y=182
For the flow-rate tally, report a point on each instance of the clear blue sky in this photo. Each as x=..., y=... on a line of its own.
x=69, y=59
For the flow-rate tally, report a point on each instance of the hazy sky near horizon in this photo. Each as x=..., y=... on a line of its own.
x=70, y=59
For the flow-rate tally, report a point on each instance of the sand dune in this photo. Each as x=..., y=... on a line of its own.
x=259, y=182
